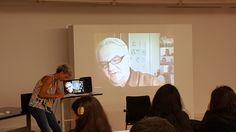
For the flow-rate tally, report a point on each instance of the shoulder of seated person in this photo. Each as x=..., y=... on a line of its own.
x=184, y=114
x=145, y=75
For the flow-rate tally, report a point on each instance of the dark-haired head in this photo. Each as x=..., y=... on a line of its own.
x=90, y=115
x=223, y=100
x=166, y=100
x=167, y=104
x=153, y=124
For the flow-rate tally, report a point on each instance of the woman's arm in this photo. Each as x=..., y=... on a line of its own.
x=59, y=92
x=43, y=91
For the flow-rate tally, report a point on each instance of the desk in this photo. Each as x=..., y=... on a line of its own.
x=11, y=112
x=69, y=97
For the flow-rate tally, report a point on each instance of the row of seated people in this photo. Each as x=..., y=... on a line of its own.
x=166, y=114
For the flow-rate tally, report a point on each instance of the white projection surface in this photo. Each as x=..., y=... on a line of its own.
x=131, y=60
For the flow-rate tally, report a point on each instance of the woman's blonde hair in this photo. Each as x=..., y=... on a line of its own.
x=64, y=68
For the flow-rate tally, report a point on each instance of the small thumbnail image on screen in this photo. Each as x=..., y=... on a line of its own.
x=75, y=86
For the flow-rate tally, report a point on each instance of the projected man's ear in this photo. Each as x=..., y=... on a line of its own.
x=113, y=57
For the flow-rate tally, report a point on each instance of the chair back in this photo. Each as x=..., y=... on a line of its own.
x=25, y=98
x=136, y=108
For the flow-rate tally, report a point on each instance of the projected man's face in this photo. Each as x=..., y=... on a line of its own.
x=115, y=63
x=69, y=87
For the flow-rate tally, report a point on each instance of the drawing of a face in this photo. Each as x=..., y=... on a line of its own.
x=114, y=60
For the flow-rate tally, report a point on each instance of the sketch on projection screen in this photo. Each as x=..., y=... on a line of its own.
x=135, y=59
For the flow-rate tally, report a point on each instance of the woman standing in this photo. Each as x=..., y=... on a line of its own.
x=44, y=95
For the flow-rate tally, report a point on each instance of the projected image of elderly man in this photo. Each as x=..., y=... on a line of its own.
x=114, y=59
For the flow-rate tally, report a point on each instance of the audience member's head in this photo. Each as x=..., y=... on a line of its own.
x=166, y=100
x=223, y=100
x=90, y=115
x=153, y=124
x=167, y=104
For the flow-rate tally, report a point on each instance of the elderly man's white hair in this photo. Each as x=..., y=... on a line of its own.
x=114, y=41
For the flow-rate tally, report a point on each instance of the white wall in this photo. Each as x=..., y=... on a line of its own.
x=33, y=41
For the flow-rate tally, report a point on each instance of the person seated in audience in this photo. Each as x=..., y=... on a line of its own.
x=167, y=104
x=221, y=114
x=90, y=115
x=153, y=124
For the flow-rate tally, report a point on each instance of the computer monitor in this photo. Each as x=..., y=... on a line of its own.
x=77, y=86
x=87, y=81
x=73, y=86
